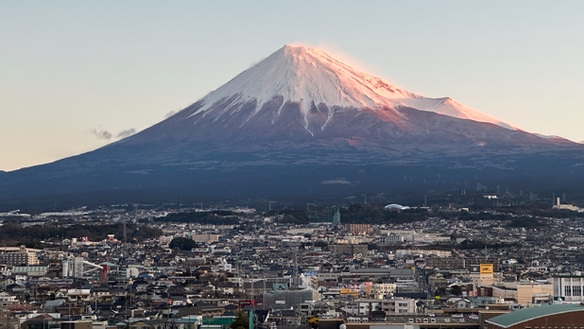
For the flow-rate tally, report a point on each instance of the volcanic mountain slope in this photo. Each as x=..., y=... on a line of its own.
x=294, y=124
x=304, y=93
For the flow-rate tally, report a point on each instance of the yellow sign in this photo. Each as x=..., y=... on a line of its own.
x=486, y=268
x=349, y=292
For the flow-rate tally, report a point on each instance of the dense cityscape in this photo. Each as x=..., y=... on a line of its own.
x=360, y=265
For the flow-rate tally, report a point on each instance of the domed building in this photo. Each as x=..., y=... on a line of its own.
x=542, y=317
x=395, y=206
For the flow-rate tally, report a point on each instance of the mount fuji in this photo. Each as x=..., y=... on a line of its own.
x=301, y=124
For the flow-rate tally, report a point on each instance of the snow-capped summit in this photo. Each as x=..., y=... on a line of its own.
x=305, y=75
x=310, y=76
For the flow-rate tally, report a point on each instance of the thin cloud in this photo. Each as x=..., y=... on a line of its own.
x=101, y=133
x=107, y=135
x=126, y=133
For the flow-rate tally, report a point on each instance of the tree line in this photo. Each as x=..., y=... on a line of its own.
x=14, y=234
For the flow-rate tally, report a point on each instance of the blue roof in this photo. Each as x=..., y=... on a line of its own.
x=526, y=314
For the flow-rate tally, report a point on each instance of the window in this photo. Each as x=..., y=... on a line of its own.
x=577, y=290
x=568, y=291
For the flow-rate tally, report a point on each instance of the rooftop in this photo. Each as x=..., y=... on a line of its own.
x=526, y=314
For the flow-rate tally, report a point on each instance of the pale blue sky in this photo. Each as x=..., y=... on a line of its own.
x=73, y=70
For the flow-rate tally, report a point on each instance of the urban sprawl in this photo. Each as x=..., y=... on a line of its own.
x=146, y=267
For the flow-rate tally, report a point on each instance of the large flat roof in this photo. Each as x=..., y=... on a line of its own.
x=526, y=314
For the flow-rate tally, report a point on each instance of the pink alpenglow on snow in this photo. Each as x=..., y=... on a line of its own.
x=311, y=76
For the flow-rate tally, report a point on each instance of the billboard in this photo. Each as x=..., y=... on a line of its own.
x=351, y=292
x=486, y=268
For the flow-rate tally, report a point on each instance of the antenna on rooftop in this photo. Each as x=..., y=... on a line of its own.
x=125, y=234
x=295, y=273
x=135, y=213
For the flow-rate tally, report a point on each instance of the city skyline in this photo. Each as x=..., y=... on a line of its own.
x=79, y=76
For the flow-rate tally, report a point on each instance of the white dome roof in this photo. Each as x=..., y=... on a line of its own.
x=396, y=206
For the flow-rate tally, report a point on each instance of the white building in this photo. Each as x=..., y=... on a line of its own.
x=362, y=307
x=223, y=266
x=568, y=288
x=6, y=300
x=383, y=290
x=365, y=307
x=399, y=306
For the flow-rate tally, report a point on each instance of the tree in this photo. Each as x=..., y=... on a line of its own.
x=182, y=243
x=456, y=290
x=241, y=322
x=440, y=291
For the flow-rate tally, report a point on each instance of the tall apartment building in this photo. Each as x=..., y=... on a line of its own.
x=18, y=256
x=360, y=229
x=351, y=249
x=445, y=263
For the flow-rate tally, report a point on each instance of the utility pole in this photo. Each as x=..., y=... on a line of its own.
x=270, y=205
x=125, y=233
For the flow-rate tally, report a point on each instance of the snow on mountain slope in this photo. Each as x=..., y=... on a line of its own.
x=448, y=106
x=310, y=76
